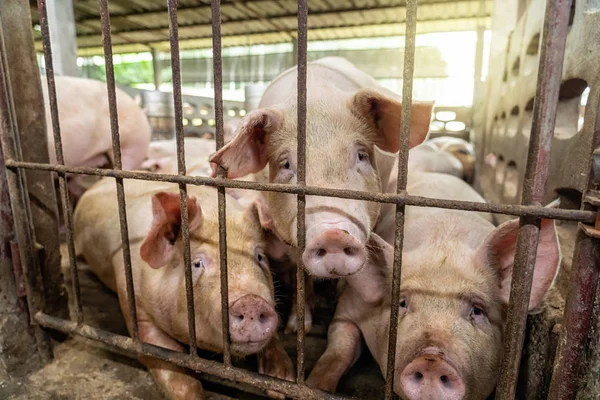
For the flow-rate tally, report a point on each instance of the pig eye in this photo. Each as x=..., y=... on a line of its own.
x=261, y=258
x=286, y=165
x=362, y=156
x=198, y=264
x=463, y=152
x=403, y=306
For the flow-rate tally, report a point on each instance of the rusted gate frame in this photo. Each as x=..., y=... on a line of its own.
x=530, y=211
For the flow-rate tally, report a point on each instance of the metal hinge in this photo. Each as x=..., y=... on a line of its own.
x=592, y=198
x=17, y=268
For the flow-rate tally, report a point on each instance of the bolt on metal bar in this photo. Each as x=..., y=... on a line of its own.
x=401, y=198
x=301, y=181
x=214, y=368
x=183, y=196
x=584, y=277
x=64, y=192
x=534, y=183
x=116, y=147
x=407, y=83
x=218, y=78
x=11, y=148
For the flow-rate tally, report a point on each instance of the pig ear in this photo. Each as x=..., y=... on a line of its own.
x=158, y=246
x=246, y=153
x=371, y=281
x=258, y=210
x=498, y=251
x=384, y=113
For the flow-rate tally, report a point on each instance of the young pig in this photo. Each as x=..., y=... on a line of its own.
x=456, y=275
x=348, y=115
x=154, y=220
x=85, y=127
x=462, y=150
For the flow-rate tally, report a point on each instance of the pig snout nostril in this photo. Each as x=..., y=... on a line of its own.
x=418, y=376
x=321, y=253
x=252, y=319
x=334, y=253
x=350, y=251
x=445, y=380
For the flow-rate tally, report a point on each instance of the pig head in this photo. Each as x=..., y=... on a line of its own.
x=456, y=278
x=342, y=130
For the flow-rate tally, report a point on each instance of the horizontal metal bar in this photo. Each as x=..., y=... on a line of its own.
x=185, y=360
x=401, y=198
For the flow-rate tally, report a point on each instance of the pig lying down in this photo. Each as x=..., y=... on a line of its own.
x=456, y=275
x=85, y=127
x=154, y=220
x=460, y=149
x=348, y=115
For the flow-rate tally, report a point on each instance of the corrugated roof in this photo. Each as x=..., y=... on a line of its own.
x=139, y=25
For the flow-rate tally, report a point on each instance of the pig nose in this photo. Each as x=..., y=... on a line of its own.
x=334, y=253
x=430, y=377
x=251, y=319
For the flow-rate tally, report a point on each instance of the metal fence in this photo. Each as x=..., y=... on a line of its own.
x=530, y=211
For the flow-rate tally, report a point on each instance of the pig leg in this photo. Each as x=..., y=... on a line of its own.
x=173, y=380
x=343, y=349
x=274, y=361
x=292, y=323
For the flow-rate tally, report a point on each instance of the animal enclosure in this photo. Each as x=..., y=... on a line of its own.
x=565, y=28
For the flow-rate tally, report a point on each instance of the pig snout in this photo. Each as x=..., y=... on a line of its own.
x=429, y=377
x=251, y=320
x=334, y=253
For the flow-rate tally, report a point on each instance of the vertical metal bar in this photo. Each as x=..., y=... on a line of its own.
x=218, y=78
x=116, y=145
x=185, y=230
x=302, y=44
x=534, y=183
x=9, y=136
x=62, y=178
x=407, y=84
x=583, y=289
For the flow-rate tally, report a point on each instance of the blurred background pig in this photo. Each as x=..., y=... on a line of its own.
x=84, y=119
x=348, y=115
x=456, y=278
x=154, y=220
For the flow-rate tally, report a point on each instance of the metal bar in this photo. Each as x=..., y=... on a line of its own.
x=183, y=197
x=401, y=198
x=301, y=181
x=62, y=178
x=9, y=136
x=407, y=84
x=116, y=145
x=215, y=7
x=576, y=323
x=214, y=368
x=534, y=183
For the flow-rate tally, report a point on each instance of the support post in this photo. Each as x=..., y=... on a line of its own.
x=156, y=69
x=63, y=37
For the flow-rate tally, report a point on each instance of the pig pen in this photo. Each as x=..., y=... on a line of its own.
x=86, y=365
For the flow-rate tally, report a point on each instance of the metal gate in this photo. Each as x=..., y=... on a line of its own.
x=585, y=260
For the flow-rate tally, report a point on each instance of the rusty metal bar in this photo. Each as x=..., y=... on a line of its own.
x=186, y=360
x=301, y=181
x=218, y=84
x=183, y=197
x=407, y=84
x=64, y=192
x=11, y=148
x=116, y=145
x=401, y=198
x=534, y=183
x=576, y=322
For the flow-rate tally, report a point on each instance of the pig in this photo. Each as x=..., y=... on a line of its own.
x=348, y=115
x=456, y=277
x=162, y=156
x=462, y=150
x=427, y=157
x=154, y=220
x=84, y=120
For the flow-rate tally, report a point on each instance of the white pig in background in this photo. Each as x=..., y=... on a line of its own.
x=85, y=127
x=348, y=115
x=154, y=220
x=462, y=150
x=456, y=276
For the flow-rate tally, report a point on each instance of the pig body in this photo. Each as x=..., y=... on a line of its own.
x=456, y=276
x=462, y=150
x=162, y=156
x=84, y=119
x=348, y=115
x=154, y=220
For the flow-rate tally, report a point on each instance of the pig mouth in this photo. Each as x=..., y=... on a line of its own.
x=248, y=347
